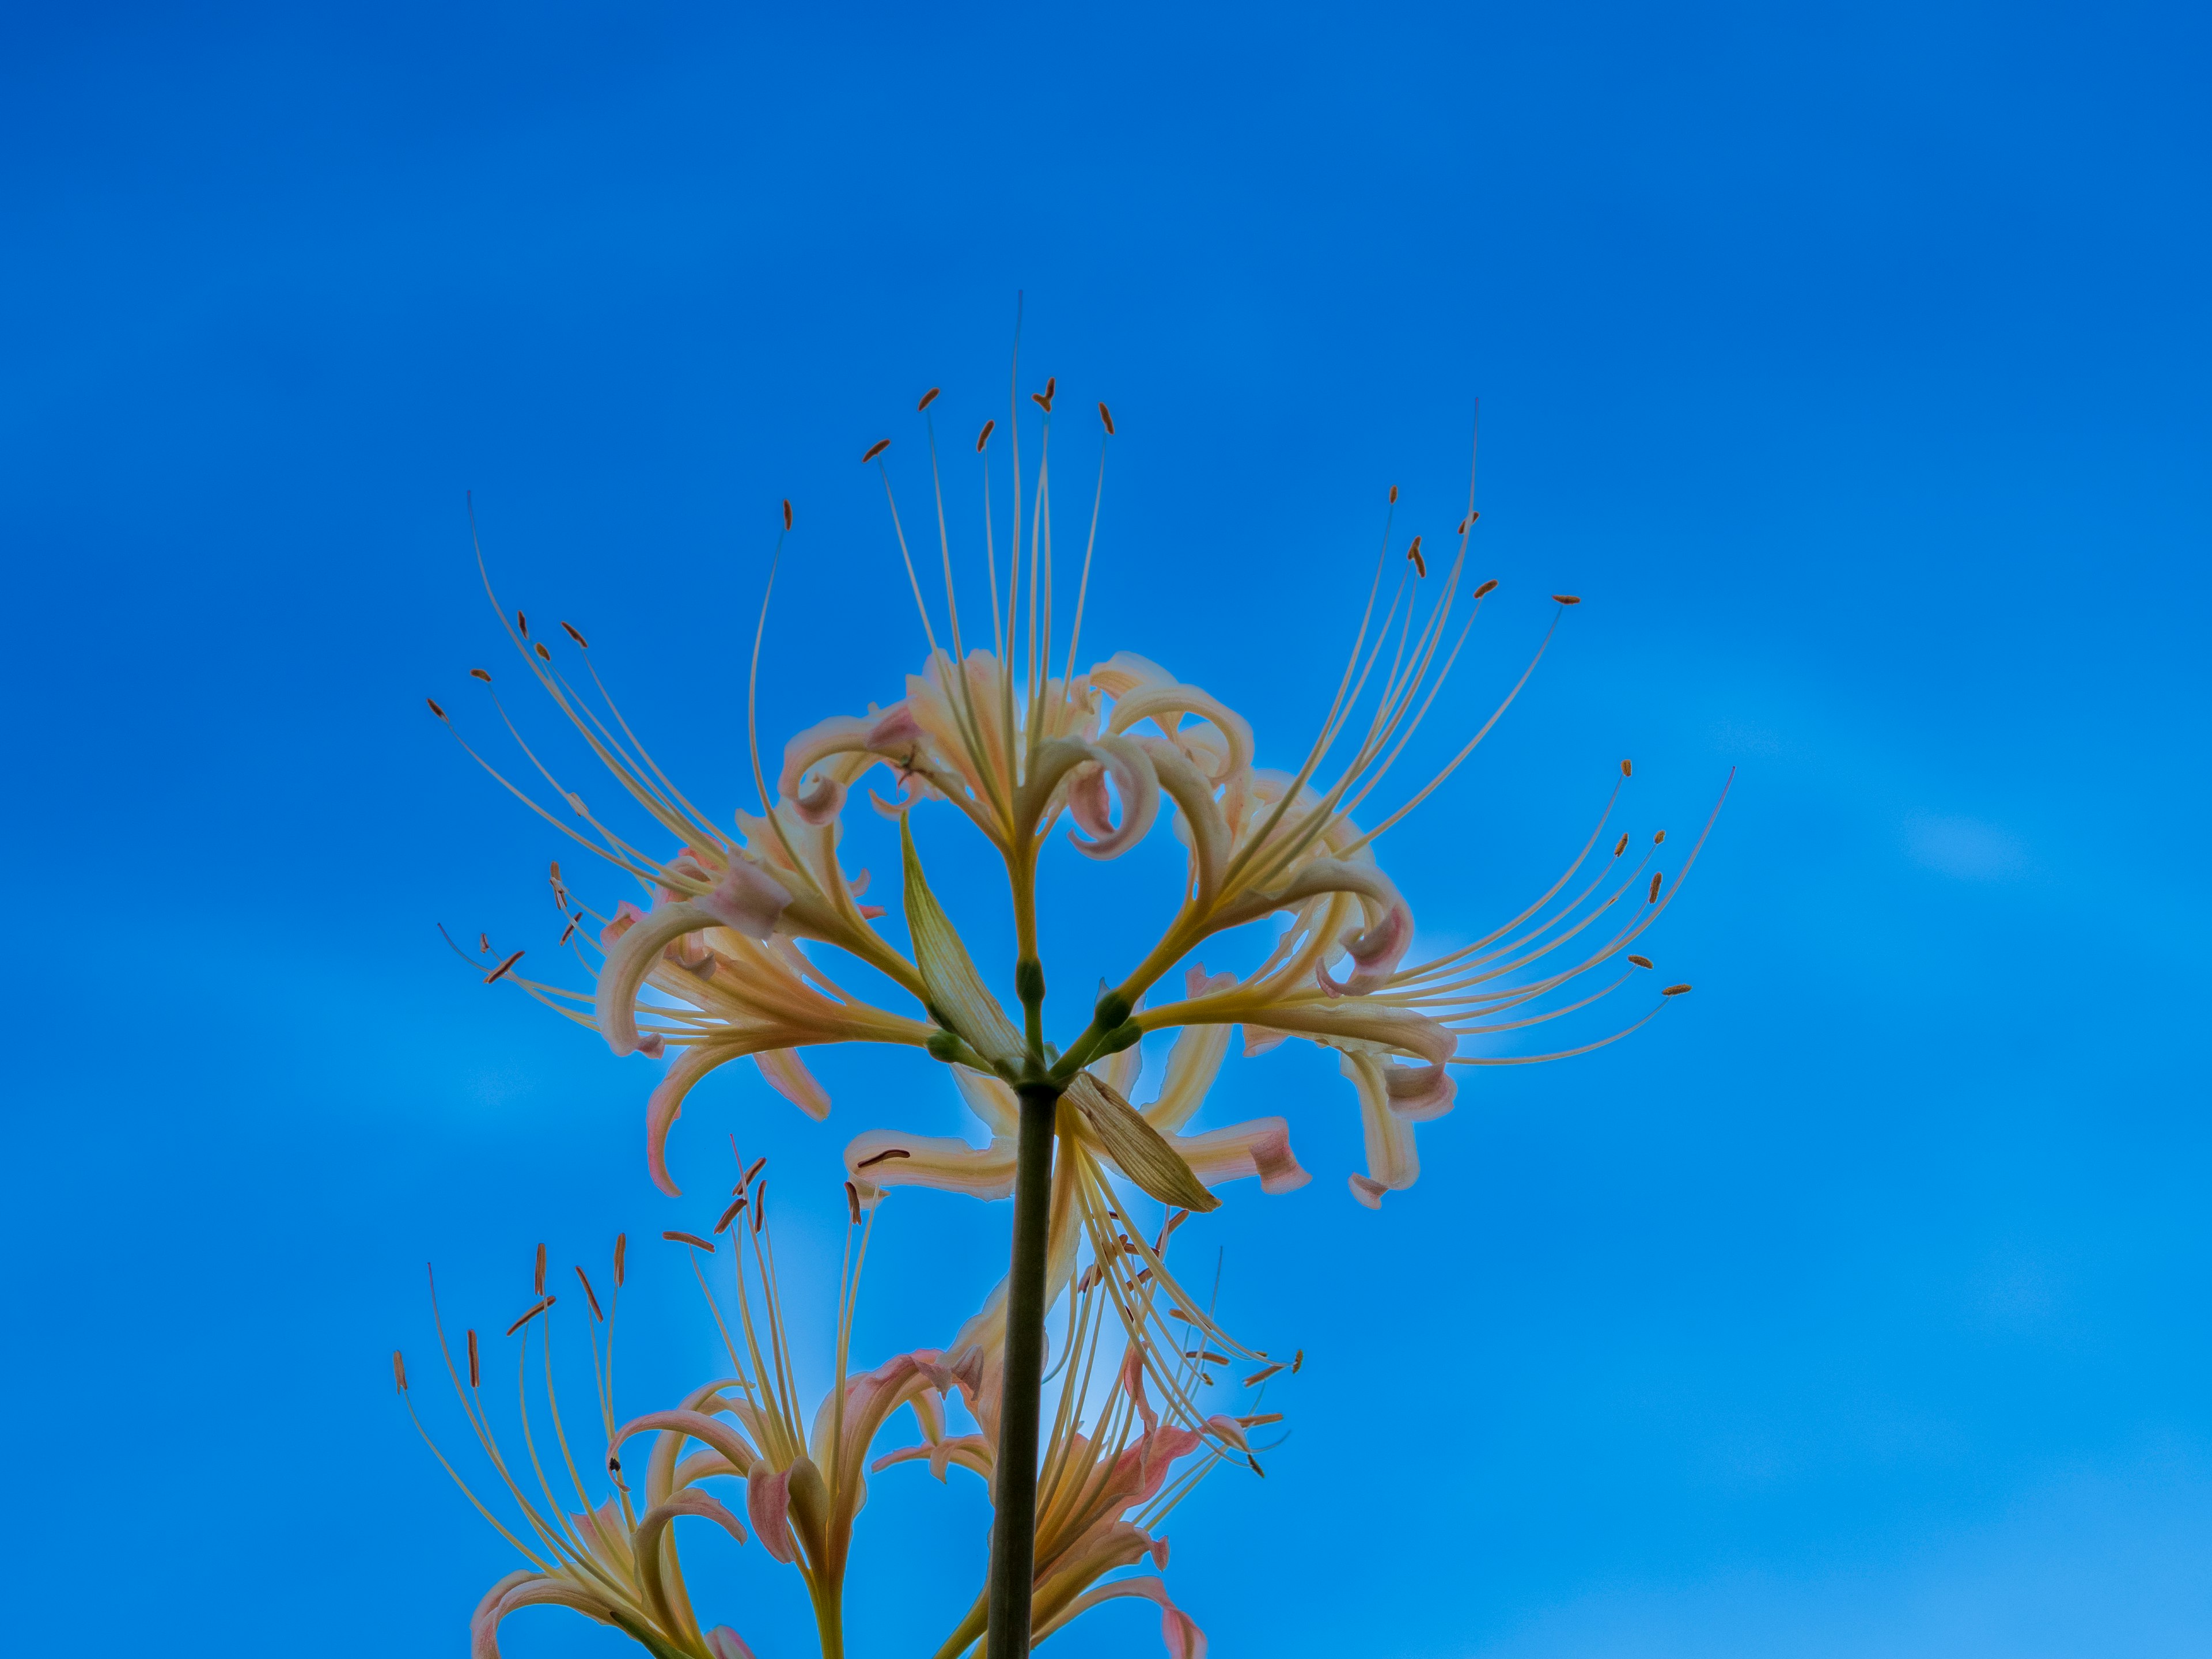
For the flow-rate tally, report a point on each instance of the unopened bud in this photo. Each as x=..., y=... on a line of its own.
x=1112, y=1009
x=1029, y=981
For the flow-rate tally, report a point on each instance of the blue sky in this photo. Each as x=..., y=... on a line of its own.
x=1849, y=360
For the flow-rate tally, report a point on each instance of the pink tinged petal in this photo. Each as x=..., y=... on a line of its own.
x=1419, y=1093
x=1262, y=1148
x=1368, y=1191
x=526, y=1589
x=820, y=801
x=1392, y=1162
x=687, y=1500
x=1258, y=1039
x=747, y=900
x=1160, y=1552
x=895, y=731
x=1139, y=786
x=767, y=1502
x=787, y=1075
x=725, y=1643
x=1192, y=793
x=697, y=1426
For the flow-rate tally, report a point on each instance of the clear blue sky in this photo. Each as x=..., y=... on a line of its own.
x=1850, y=360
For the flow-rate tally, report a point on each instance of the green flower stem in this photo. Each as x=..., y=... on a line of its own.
x=1013, y=1538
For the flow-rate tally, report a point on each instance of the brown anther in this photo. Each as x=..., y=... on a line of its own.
x=568, y=934
x=787, y=514
x=1142, y=1277
x=543, y=653
x=1486, y=587
x=398, y=1372
x=589, y=1295
x=1201, y=1353
x=522, y=624
x=853, y=1193
x=1620, y=846
x=1174, y=1222
x=621, y=1240
x=531, y=1314
x=728, y=1216
x=501, y=971
x=1256, y=1469
x=578, y=638
x=553, y=872
x=1655, y=880
x=1673, y=990
x=1091, y=1276
x=479, y=674
x=927, y=399
x=1394, y=495
x=538, y=1283
x=760, y=1207
x=1420, y=564
x=1258, y=1420
x=475, y=1371
x=692, y=1239
x=1262, y=1374
x=1038, y=398
x=746, y=1179
x=984, y=436
x=888, y=1151
x=1106, y=416
x=1297, y=1360
x=1568, y=599
x=1627, y=768
x=483, y=941
x=1658, y=838
x=875, y=449
x=434, y=709
x=1184, y=1315
x=1641, y=962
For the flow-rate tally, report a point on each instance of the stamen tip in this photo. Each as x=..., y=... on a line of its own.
x=875, y=449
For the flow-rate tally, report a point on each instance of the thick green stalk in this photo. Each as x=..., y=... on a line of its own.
x=1013, y=1537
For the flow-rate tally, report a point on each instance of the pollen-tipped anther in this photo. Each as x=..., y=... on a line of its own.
x=1674, y=991
x=927, y=399
x=578, y=638
x=875, y=449
x=984, y=436
x=1486, y=587
x=692, y=1239
x=1568, y=599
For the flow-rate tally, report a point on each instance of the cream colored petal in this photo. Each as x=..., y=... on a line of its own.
x=934, y=1161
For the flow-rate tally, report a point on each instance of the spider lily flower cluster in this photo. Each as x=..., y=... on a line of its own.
x=1014, y=747
x=725, y=953
x=1116, y=1465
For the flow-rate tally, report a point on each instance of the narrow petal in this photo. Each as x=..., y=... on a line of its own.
x=633, y=946
x=1392, y=1162
x=767, y=1502
x=787, y=1075
x=665, y=1104
x=939, y=1161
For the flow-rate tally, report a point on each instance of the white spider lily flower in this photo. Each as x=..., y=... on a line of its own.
x=805, y=1475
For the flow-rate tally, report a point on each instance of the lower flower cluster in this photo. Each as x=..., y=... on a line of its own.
x=1134, y=1430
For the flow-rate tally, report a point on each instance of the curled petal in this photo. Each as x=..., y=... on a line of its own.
x=840, y=734
x=1192, y=791
x=1419, y=1093
x=1392, y=1162
x=633, y=944
x=526, y=1589
x=895, y=733
x=820, y=801
x=726, y=1643
x=1262, y=1148
x=787, y=1075
x=665, y=1104
x=1144, y=690
x=1375, y=953
x=1179, y=1633
x=1139, y=785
